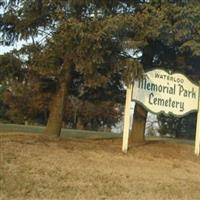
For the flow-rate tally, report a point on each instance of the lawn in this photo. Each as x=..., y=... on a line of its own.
x=37, y=167
x=65, y=133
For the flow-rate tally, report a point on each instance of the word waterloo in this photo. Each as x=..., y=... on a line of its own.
x=176, y=90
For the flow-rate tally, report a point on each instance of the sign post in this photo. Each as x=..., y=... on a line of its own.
x=197, y=138
x=127, y=119
x=163, y=92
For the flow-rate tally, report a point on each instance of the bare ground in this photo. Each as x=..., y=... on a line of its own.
x=33, y=168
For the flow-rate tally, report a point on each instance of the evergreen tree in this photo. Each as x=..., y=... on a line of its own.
x=81, y=36
x=170, y=39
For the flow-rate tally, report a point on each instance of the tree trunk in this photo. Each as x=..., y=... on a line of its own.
x=57, y=106
x=138, y=125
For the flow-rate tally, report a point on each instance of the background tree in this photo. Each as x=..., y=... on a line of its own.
x=178, y=127
x=3, y=107
x=170, y=40
x=91, y=115
x=12, y=77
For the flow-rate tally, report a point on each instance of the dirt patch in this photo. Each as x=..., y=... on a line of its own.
x=34, y=167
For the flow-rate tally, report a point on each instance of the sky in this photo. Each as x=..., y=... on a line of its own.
x=5, y=49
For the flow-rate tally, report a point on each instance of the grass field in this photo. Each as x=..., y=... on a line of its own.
x=37, y=167
x=74, y=133
x=65, y=133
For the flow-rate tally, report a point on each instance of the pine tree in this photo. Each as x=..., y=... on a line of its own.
x=170, y=40
x=82, y=36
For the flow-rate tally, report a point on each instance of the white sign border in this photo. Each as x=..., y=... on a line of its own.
x=197, y=137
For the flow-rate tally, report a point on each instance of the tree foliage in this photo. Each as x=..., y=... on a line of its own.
x=178, y=127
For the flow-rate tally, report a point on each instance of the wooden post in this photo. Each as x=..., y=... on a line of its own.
x=138, y=125
x=127, y=118
x=197, y=139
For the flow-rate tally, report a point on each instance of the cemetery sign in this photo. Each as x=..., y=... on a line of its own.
x=159, y=92
x=162, y=92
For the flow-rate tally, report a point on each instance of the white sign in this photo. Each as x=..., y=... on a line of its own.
x=167, y=93
x=159, y=92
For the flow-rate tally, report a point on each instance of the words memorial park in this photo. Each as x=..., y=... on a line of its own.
x=162, y=92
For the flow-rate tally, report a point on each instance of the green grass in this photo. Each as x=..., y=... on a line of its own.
x=75, y=133
x=171, y=139
x=65, y=133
